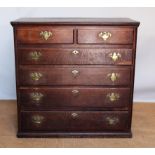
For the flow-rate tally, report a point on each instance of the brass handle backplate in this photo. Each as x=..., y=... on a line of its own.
x=113, y=76
x=115, y=56
x=35, y=76
x=46, y=35
x=113, y=97
x=37, y=119
x=35, y=55
x=75, y=52
x=105, y=35
x=112, y=120
x=36, y=96
x=75, y=73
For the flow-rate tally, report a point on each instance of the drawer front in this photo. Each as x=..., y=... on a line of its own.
x=105, y=35
x=44, y=34
x=74, y=75
x=74, y=121
x=75, y=56
x=75, y=97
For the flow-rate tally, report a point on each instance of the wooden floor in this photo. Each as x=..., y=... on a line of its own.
x=143, y=131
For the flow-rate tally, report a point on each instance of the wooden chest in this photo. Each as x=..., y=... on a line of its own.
x=75, y=77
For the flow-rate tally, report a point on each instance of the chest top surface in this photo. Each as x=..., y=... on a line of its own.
x=77, y=21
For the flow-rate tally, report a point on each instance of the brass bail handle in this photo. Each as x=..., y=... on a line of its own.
x=35, y=55
x=113, y=76
x=36, y=96
x=115, y=56
x=46, y=35
x=104, y=35
x=113, y=96
x=112, y=120
x=37, y=119
x=35, y=76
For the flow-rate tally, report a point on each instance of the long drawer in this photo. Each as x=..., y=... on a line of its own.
x=44, y=34
x=74, y=75
x=74, y=121
x=105, y=35
x=75, y=56
x=75, y=97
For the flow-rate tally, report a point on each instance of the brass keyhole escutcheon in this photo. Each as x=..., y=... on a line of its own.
x=75, y=73
x=75, y=52
x=74, y=115
x=75, y=92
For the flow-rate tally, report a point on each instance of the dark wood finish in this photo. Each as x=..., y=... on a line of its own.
x=32, y=35
x=83, y=121
x=118, y=35
x=84, y=98
x=105, y=134
x=87, y=75
x=76, y=21
x=62, y=56
x=74, y=106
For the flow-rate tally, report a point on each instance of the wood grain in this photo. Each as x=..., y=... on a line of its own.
x=87, y=75
x=143, y=131
x=65, y=56
x=64, y=121
x=84, y=98
x=90, y=35
x=31, y=35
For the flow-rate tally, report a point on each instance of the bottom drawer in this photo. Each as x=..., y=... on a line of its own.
x=74, y=121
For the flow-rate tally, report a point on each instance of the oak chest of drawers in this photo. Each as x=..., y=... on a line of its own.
x=75, y=77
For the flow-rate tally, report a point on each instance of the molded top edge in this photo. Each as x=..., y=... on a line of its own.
x=76, y=21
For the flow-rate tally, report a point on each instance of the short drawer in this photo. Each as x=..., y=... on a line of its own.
x=74, y=75
x=74, y=121
x=75, y=56
x=76, y=97
x=44, y=34
x=105, y=35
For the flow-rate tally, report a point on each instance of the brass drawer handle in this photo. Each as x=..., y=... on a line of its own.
x=113, y=76
x=36, y=96
x=112, y=120
x=113, y=97
x=74, y=115
x=46, y=35
x=75, y=92
x=35, y=76
x=105, y=35
x=115, y=56
x=75, y=52
x=75, y=73
x=35, y=55
x=37, y=119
